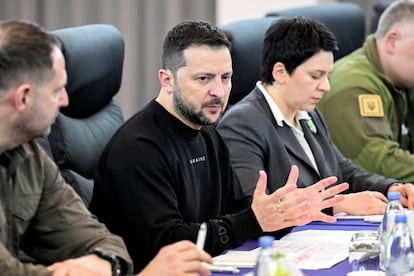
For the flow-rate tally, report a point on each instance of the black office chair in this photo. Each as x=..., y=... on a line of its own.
x=94, y=61
x=247, y=38
x=345, y=20
x=377, y=9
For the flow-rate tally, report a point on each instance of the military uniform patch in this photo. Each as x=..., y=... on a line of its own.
x=370, y=105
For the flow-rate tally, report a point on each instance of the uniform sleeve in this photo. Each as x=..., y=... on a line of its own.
x=63, y=227
x=358, y=178
x=11, y=266
x=369, y=141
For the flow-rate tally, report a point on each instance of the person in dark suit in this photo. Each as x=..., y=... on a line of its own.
x=276, y=125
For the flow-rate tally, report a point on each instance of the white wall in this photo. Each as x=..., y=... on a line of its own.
x=232, y=10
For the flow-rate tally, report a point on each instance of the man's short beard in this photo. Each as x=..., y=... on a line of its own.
x=187, y=110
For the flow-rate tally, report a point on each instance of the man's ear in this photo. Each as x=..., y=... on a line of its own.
x=166, y=79
x=23, y=97
x=391, y=39
x=279, y=72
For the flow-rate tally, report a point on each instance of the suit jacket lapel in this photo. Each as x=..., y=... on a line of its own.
x=315, y=147
x=290, y=141
x=292, y=144
x=288, y=138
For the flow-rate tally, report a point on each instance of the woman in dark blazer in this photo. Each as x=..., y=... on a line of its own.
x=277, y=126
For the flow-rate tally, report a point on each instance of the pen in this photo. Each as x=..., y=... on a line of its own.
x=201, y=237
x=223, y=269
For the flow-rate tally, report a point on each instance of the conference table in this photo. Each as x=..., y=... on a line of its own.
x=340, y=269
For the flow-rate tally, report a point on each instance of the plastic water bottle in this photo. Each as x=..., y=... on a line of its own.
x=266, y=263
x=399, y=249
x=394, y=207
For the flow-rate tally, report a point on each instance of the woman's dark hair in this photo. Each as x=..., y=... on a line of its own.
x=292, y=41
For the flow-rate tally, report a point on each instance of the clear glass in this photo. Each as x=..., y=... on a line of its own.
x=364, y=249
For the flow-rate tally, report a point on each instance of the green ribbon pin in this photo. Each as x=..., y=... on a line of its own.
x=311, y=126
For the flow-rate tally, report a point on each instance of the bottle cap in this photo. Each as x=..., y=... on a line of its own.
x=400, y=218
x=266, y=241
x=393, y=195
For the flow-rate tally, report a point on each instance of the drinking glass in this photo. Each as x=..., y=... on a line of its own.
x=364, y=249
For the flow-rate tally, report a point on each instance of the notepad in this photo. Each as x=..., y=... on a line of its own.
x=242, y=259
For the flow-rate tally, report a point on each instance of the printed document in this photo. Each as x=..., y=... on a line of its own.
x=309, y=249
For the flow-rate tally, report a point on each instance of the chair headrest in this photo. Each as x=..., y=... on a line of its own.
x=345, y=20
x=247, y=38
x=94, y=61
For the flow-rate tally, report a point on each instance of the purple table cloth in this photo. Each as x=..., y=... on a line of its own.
x=339, y=269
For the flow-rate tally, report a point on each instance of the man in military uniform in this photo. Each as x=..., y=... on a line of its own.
x=370, y=108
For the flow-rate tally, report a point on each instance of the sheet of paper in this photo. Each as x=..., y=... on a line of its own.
x=346, y=216
x=310, y=249
x=316, y=249
x=370, y=218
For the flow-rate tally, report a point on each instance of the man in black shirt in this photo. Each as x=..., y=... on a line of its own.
x=40, y=214
x=167, y=169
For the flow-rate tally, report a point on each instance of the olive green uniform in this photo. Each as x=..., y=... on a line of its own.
x=368, y=117
x=43, y=216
